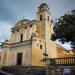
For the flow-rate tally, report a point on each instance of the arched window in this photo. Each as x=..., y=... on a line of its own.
x=40, y=17
x=21, y=37
x=48, y=18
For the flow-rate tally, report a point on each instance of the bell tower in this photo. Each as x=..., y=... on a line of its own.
x=43, y=12
x=45, y=29
x=44, y=21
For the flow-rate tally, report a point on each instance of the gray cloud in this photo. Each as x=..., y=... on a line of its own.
x=13, y=10
x=4, y=30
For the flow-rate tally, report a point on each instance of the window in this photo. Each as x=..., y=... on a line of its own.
x=17, y=30
x=25, y=27
x=48, y=18
x=51, y=21
x=21, y=37
x=30, y=25
x=40, y=17
x=40, y=46
x=12, y=31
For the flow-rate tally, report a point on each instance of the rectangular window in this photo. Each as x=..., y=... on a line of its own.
x=40, y=46
x=25, y=27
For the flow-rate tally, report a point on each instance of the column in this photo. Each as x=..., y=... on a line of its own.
x=24, y=34
x=23, y=58
x=15, y=57
x=7, y=59
x=30, y=55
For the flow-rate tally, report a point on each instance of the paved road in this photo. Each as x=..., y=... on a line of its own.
x=4, y=73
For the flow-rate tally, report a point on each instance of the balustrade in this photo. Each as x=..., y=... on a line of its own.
x=63, y=61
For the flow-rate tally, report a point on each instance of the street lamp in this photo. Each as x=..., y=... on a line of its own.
x=46, y=56
x=1, y=45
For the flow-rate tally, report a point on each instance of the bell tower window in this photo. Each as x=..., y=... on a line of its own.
x=40, y=17
x=21, y=37
x=48, y=18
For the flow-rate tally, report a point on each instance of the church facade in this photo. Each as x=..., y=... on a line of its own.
x=30, y=41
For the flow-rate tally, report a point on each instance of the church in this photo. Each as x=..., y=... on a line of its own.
x=30, y=41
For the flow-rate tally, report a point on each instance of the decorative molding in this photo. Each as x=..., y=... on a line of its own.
x=18, y=44
x=43, y=10
x=23, y=25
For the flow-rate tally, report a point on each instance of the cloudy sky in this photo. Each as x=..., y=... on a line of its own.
x=12, y=11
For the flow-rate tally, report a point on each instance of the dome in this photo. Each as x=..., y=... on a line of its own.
x=24, y=21
x=43, y=4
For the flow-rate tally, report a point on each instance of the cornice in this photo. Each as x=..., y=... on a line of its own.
x=17, y=44
x=23, y=25
x=43, y=10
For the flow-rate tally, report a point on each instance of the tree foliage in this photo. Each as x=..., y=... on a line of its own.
x=64, y=29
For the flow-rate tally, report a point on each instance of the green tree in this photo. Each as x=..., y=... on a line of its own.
x=64, y=29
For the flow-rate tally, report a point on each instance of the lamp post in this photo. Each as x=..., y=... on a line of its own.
x=52, y=66
x=45, y=59
x=1, y=45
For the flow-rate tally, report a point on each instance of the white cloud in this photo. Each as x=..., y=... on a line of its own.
x=66, y=45
x=5, y=30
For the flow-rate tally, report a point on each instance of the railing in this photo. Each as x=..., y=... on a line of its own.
x=62, y=61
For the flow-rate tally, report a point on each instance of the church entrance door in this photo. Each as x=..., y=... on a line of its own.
x=19, y=59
